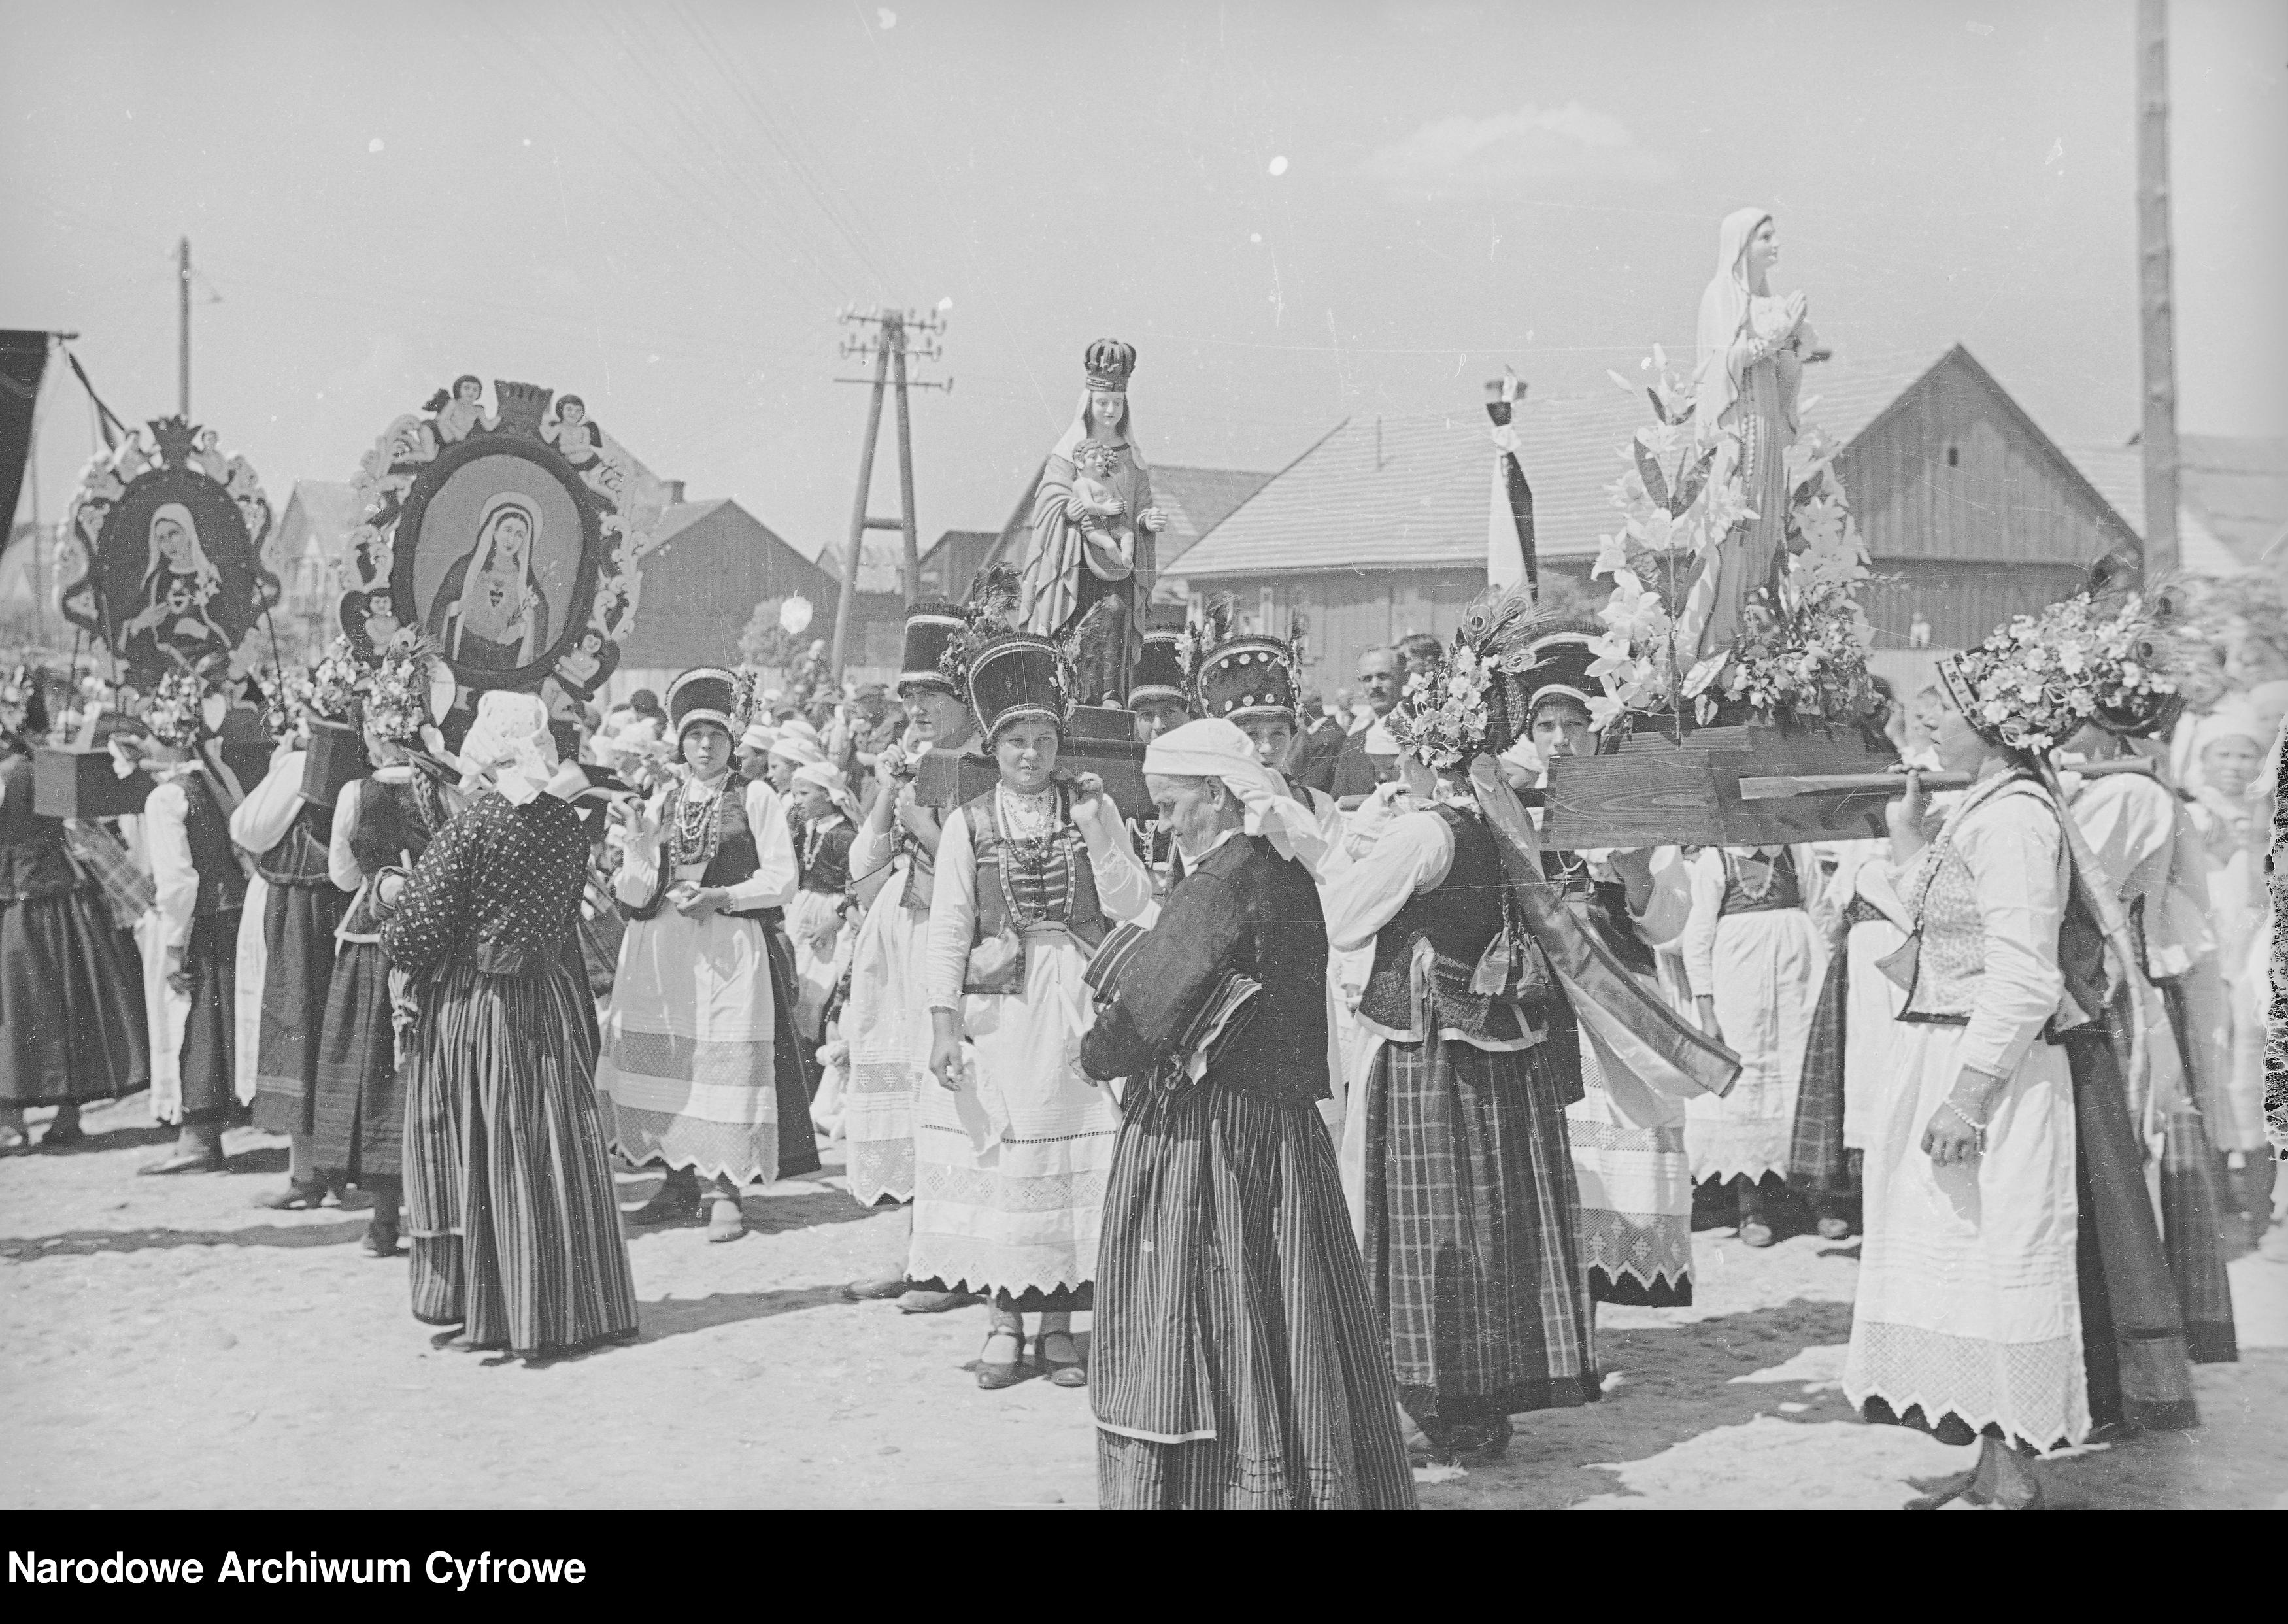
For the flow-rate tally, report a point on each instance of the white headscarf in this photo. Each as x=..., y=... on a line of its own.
x=759, y=736
x=795, y=748
x=1723, y=312
x=509, y=747
x=1214, y=748
x=831, y=780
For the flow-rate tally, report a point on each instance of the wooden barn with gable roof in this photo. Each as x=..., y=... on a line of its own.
x=1384, y=526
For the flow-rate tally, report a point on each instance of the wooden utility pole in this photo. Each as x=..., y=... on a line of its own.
x=2156, y=315
x=183, y=325
x=891, y=353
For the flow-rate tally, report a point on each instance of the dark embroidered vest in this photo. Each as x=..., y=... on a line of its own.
x=828, y=871
x=735, y=858
x=1021, y=882
x=222, y=883
x=1783, y=893
x=33, y=861
x=299, y=858
x=1458, y=917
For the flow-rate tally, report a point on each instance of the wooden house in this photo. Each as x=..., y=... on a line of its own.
x=1385, y=526
x=712, y=563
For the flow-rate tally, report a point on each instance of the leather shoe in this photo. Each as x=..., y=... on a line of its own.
x=933, y=1302
x=64, y=1138
x=184, y=1161
x=876, y=1291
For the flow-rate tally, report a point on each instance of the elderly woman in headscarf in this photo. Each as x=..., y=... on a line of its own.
x=1070, y=572
x=1751, y=369
x=1238, y=1360
x=509, y=1196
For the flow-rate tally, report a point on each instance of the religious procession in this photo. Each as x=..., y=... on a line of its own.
x=1297, y=1085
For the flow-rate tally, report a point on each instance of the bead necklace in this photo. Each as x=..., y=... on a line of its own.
x=698, y=826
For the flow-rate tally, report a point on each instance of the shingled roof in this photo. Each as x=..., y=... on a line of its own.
x=2232, y=495
x=1410, y=493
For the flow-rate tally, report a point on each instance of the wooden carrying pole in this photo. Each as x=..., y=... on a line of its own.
x=2156, y=316
x=1889, y=784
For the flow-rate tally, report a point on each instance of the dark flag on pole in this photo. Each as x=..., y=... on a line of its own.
x=1509, y=532
x=23, y=357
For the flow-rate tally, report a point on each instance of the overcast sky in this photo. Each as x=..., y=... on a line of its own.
x=1295, y=212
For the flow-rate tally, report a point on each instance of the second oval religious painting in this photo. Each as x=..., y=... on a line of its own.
x=507, y=536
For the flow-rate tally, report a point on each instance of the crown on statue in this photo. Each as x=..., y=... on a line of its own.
x=522, y=406
x=1110, y=362
x=176, y=438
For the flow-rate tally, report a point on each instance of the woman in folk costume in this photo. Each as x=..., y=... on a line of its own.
x=1238, y=1360
x=828, y=822
x=509, y=1195
x=1251, y=682
x=2011, y=1287
x=887, y=1019
x=1848, y=1049
x=2147, y=851
x=71, y=1021
x=690, y=1068
x=1754, y=962
x=200, y=889
x=1627, y=1138
x=1014, y=1142
x=1472, y=1208
x=289, y=838
x=1751, y=347
x=1094, y=536
x=382, y=825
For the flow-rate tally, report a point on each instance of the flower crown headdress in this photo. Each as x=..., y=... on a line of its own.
x=2035, y=682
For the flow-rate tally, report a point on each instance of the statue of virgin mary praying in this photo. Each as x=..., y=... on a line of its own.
x=1752, y=350
x=1095, y=527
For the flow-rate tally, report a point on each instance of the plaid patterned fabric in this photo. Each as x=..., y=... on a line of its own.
x=1816, y=1159
x=126, y=887
x=1471, y=1217
x=603, y=927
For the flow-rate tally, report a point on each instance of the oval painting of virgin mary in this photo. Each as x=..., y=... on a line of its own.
x=501, y=567
x=178, y=581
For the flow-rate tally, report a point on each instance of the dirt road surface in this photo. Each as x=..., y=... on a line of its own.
x=168, y=1342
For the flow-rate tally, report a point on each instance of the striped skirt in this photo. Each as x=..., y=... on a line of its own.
x=360, y=1108
x=297, y=936
x=1237, y=1363
x=1472, y=1250
x=508, y=1196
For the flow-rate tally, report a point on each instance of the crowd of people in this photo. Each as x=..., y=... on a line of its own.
x=1333, y=1099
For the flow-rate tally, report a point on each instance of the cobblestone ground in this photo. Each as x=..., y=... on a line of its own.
x=167, y=1342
